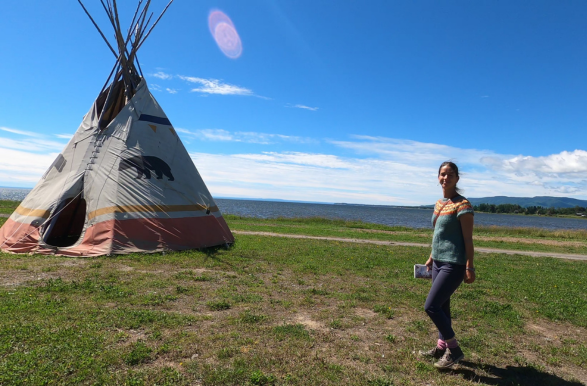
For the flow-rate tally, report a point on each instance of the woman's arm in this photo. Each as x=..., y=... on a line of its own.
x=467, y=226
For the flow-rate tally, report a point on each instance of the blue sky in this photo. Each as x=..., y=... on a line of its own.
x=340, y=101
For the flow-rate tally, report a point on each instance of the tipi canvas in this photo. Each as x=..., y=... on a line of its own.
x=124, y=183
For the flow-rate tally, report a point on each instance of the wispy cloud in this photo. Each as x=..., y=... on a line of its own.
x=243, y=136
x=155, y=87
x=30, y=141
x=31, y=144
x=215, y=86
x=407, y=151
x=22, y=167
x=267, y=139
x=171, y=90
x=303, y=107
x=20, y=132
x=212, y=135
x=332, y=178
x=162, y=75
x=296, y=176
x=310, y=159
x=64, y=136
x=361, y=169
x=486, y=173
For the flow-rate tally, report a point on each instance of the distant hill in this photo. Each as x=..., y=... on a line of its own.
x=543, y=201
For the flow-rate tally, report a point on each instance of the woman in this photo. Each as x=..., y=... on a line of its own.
x=451, y=262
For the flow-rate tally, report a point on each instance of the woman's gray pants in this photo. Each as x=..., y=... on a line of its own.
x=446, y=278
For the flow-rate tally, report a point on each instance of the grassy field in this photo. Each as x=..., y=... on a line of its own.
x=276, y=311
x=535, y=239
x=7, y=206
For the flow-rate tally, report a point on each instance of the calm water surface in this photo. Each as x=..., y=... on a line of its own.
x=410, y=217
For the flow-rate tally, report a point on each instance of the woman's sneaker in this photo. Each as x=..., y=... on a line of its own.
x=451, y=357
x=435, y=353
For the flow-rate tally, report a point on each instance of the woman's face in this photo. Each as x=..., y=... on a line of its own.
x=447, y=178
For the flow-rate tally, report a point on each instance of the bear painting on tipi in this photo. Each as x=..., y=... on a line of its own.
x=125, y=182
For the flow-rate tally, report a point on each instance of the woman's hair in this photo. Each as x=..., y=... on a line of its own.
x=454, y=168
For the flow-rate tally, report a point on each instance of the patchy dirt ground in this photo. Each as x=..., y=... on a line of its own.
x=343, y=332
x=16, y=272
x=544, y=336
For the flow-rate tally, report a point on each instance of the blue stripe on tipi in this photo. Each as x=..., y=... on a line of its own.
x=154, y=119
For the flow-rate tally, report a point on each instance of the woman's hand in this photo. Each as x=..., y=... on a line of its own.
x=469, y=276
x=429, y=263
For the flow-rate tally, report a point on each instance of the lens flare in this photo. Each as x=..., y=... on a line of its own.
x=225, y=35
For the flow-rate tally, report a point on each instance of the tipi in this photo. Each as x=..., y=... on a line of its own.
x=124, y=183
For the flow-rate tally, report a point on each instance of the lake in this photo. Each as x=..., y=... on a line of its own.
x=387, y=215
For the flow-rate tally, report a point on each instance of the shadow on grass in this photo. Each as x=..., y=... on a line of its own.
x=213, y=253
x=511, y=375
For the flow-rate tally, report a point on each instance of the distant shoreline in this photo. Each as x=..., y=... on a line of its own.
x=18, y=195
x=538, y=215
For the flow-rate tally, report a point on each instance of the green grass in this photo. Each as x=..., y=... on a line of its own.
x=560, y=241
x=316, y=224
x=285, y=312
x=278, y=311
x=7, y=206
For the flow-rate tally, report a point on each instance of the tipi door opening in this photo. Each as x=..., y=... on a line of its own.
x=67, y=224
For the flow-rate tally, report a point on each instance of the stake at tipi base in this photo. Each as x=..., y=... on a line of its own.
x=124, y=183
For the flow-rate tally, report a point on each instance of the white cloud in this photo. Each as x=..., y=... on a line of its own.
x=567, y=189
x=564, y=173
x=215, y=86
x=331, y=178
x=31, y=145
x=304, y=107
x=64, y=136
x=299, y=176
x=483, y=172
x=242, y=136
x=23, y=167
x=20, y=132
x=161, y=75
x=266, y=138
x=214, y=135
x=412, y=152
x=373, y=170
x=23, y=161
x=155, y=87
x=171, y=90
x=320, y=160
x=564, y=163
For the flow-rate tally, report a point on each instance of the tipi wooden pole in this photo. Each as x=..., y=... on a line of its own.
x=154, y=24
x=98, y=28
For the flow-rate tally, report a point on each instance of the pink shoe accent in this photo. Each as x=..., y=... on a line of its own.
x=452, y=343
x=441, y=344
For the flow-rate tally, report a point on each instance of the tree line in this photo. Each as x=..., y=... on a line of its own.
x=515, y=208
